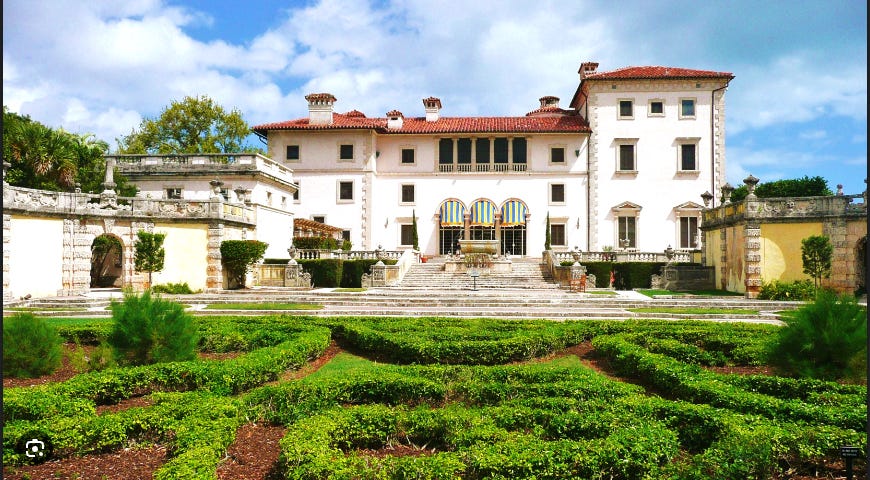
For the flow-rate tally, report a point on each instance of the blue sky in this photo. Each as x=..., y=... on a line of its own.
x=797, y=105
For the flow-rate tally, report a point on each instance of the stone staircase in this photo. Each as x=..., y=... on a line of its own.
x=527, y=273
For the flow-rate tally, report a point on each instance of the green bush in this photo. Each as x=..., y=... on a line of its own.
x=173, y=288
x=315, y=243
x=150, y=330
x=776, y=290
x=825, y=339
x=31, y=347
x=353, y=270
x=239, y=255
x=334, y=273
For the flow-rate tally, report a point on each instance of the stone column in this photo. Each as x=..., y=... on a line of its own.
x=214, y=269
x=497, y=225
x=752, y=259
x=466, y=232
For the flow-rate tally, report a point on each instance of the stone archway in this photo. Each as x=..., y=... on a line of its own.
x=107, y=262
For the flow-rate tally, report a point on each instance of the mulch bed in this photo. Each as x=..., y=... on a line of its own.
x=127, y=464
x=253, y=455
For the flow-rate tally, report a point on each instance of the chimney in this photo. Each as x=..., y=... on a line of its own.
x=433, y=105
x=395, y=119
x=320, y=106
x=549, y=101
x=587, y=68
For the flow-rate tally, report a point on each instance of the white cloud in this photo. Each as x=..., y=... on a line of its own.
x=813, y=135
x=796, y=88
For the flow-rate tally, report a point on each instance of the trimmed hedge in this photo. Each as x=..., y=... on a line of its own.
x=629, y=275
x=335, y=273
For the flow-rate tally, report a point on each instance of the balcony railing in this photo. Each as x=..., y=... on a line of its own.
x=482, y=167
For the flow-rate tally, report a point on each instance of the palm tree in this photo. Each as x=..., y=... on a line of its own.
x=48, y=156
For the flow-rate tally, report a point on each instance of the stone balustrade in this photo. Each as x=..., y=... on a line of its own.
x=757, y=209
x=680, y=256
x=312, y=254
x=87, y=204
x=216, y=163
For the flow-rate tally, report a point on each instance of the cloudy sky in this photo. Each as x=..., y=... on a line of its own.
x=798, y=104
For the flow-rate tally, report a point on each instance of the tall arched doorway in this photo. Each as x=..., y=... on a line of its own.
x=106, y=262
x=482, y=225
x=513, y=227
x=450, y=230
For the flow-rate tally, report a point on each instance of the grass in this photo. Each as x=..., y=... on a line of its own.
x=610, y=293
x=342, y=365
x=41, y=309
x=695, y=310
x=263, y=306
x=700, y=293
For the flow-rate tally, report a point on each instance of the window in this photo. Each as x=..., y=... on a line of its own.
x=557, y=235
x=345, y=152
x=557, y=193
x=656, y=108
x=626, y=109
x=519, y=152
x=463, y=151
x=225, y=192
x=687, y=108
x=345, y=235
x=283, y=202
x=689, y=157
x=407, y=156
x=407, y=194
x=345, y=191
x=173, y=193
x=557, y=155
x=500, y=150
x=481, y=148
x=298, y=188
x=407, y=235
x=627, y=231
x=688, y=232
x=293, y=153
x=268, y=198
x=626, y=161
x=445, y=151
x=319, y=218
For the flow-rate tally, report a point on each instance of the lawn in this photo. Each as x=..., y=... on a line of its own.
x=695, y=311
x=699, y=293
x=448, y=398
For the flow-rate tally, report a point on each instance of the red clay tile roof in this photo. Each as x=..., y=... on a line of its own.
x=394, y=113
x=419, y=125
x=355, y=113
x=656, y=72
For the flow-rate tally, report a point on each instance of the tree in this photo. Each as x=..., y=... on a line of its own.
x=149, y=253
x=816, y=254
x=800, y=187
x=415, y=239
x=240, y=255
x=149, y=330
x=824, y=339
x=53, y=159
x=547, y=236
x=193, y=125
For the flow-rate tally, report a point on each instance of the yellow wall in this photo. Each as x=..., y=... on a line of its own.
x=781, y=250
x=186, y=249
x=36, y=259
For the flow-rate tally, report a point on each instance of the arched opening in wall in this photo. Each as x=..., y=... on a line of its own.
x=451, y=221
x=106, y=262
x=513, y=227
x=482, y=220
x=861, y=267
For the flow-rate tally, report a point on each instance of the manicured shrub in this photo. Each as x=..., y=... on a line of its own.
x=240, y=255
x=825, y=339
x=325, y=273
x=315, y=243
x=173, y=289
x=31, y=347
x=150, y=330
x=776, y=290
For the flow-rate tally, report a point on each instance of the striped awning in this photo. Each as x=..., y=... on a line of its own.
x=513, y=213
x=483, y=213
x=452, y=213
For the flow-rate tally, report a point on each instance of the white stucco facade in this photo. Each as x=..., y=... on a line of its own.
x=623, y=166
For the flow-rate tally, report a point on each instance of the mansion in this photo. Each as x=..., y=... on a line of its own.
x=623, y=166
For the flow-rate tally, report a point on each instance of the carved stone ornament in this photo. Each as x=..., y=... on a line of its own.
x=108, y=225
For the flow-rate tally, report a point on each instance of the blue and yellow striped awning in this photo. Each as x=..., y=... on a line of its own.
x=513, y=213
x=483, y=213
x=452, y=213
